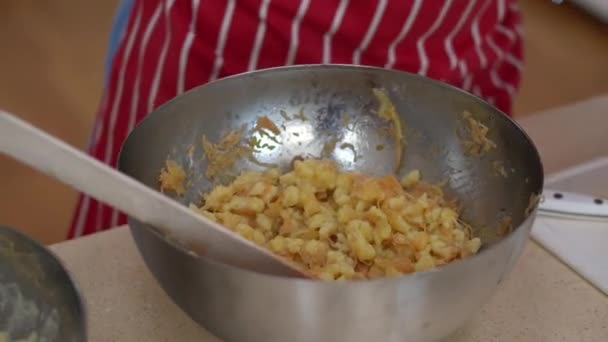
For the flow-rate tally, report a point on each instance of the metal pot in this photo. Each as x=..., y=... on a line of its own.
x=39, y=301
x=239, y=305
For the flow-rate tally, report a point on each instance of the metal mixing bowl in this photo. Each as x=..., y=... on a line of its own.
x=337, y=101
x=38, y=299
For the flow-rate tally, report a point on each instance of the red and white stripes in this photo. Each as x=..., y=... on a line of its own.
x=168, y=5
x=477, y=36
x=329, y=35
x=222, y=37
x=371, y=31
x=449, y=40
x=407, y=26
x=259, y=36
x=183, y=56
x=171, y=46
x=140, y=61
x=295, y=32
x=424, y=59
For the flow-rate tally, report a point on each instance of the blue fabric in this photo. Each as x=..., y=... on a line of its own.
x=118, y=28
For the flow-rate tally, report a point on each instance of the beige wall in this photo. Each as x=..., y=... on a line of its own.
x=51, y=71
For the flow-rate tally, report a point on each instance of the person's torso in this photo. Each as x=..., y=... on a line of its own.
x=180, y=44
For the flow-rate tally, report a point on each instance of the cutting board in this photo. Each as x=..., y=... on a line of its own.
x=580, y=244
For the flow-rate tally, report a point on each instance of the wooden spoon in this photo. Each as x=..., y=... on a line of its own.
x=196, y=233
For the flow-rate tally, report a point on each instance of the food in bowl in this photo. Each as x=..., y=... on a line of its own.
x=343, y=225
x=336, y=225
x=478, y=142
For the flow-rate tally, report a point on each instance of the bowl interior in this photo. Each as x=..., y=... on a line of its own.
x=332, y=111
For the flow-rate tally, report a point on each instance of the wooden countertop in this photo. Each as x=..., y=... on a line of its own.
x=541, y=300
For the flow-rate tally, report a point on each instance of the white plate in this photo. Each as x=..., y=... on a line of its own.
x=579, y=243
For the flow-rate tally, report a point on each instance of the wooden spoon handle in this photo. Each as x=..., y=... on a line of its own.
x=52, y=156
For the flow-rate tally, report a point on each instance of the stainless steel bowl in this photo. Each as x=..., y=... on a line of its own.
x=38, y=299
x=238, y=305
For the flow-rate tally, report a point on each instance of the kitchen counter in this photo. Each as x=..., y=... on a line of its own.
x=541, y=300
